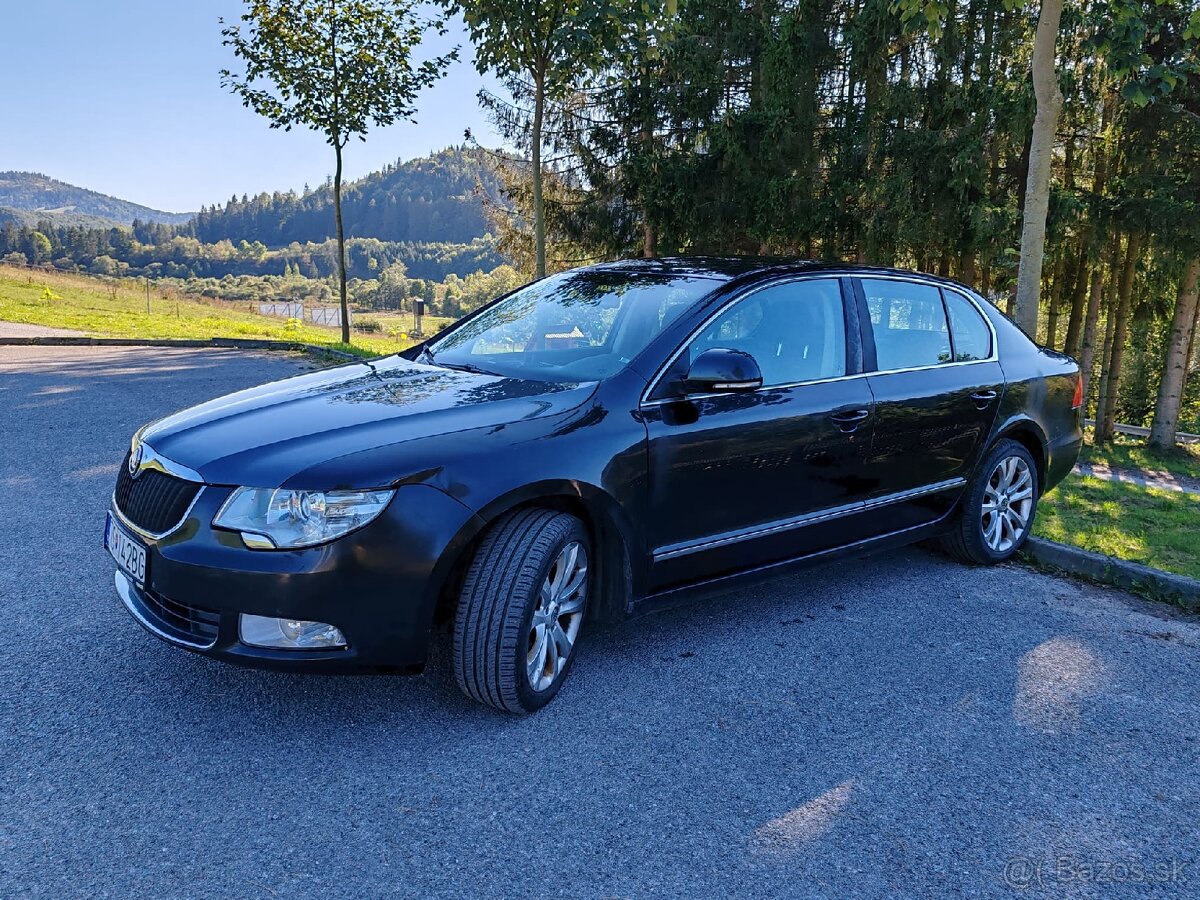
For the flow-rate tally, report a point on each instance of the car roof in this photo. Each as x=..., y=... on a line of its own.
x=729, y=268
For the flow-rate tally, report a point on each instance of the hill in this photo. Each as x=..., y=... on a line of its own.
x=29, y=198
x=434, y=199
x=426, y=213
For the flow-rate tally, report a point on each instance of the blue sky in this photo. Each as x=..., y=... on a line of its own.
x=124, y=97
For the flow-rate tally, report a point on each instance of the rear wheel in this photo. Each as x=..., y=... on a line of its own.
x=998, y=508
x=521, y=609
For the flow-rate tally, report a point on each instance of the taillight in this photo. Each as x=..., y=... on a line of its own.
x=1077, y=400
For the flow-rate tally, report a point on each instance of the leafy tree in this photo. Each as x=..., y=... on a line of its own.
x=334, y=66
x=539, y=50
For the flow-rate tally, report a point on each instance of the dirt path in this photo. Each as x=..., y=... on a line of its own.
x=1164, y=481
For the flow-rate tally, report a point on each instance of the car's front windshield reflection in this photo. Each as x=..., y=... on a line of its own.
x=574, y=326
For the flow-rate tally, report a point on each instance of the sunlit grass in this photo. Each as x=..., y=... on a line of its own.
x=1156, y=528
x=118, y=309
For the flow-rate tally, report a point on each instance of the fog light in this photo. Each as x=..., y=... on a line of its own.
x=290, y=634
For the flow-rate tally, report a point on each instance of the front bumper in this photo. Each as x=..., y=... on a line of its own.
x=379, y=585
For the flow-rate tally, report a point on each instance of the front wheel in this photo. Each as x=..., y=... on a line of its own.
x=998, y=508
x=520, y=610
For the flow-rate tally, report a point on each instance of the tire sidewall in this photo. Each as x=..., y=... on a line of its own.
x=530, y=699
x=972, y=523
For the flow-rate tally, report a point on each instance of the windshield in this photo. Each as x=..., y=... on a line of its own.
x=576, y=326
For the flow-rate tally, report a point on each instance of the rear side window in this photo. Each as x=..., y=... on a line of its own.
x=909, y=323
x=972, y=338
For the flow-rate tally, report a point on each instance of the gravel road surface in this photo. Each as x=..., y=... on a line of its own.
x=899, y=726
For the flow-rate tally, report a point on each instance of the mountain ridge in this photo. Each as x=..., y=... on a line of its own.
x=30, y=197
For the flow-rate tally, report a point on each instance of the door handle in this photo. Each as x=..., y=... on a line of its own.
x=849, y=419
x=983, y=398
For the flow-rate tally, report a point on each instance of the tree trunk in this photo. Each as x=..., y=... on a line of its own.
x=1037, y=187
x=1079, y=295
x=1187, y=369
x=1087, y=346
x=1104, y=424
x=649, y=242
x=1110, y=317
x=1170, y=388
x=1087, y=340
x=1057, y=292
x=968, y=271
x=341, y=241
x=539, y=212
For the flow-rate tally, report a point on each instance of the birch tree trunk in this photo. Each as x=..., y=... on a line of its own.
x=1170, y=388
x=1041, y=149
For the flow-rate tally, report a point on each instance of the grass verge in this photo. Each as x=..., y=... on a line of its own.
x=1132, y=453
x=1157, y=528
x=118, y=309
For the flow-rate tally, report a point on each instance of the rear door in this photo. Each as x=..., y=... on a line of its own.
x=937, y=385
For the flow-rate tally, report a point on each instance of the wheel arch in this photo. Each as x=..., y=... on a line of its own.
x=607, y=524
x=1026, y=432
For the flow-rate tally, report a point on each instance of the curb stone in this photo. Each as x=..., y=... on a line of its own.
x=1177, y=589
x=233, y=343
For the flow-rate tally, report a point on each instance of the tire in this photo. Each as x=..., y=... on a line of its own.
x=529, y=576
x=973, y=539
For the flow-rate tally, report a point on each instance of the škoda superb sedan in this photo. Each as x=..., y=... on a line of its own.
x=593, y=444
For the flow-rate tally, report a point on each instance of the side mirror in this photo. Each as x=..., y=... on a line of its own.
x=720, y=370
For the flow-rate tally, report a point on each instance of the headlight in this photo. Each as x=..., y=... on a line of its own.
x=275, y=518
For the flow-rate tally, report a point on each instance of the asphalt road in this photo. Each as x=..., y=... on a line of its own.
x=899, y=726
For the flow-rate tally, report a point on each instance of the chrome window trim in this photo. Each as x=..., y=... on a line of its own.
x=823, y=515
x=662, y=370
x=125, y=591
x=994, y=356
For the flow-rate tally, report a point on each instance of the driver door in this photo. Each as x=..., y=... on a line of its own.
x=747, y=478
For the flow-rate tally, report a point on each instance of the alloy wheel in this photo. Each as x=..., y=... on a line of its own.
x=1007, y=504
x=557, y=616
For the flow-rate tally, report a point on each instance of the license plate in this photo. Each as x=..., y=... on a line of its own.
x=129, y=554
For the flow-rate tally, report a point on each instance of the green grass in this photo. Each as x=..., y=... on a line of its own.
x=1156, y=528
x=97, y=309
x=1132, y=453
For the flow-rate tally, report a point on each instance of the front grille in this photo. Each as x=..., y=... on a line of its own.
x=154, y=501
x=190, y=624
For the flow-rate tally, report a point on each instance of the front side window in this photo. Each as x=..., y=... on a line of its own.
x=582, y=325
x=972, y=337
x=795, y=331
x=909, y=324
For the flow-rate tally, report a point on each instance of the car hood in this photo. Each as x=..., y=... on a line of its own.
x=263, y=436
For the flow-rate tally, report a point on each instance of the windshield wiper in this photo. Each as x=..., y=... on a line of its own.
x=465, y=367
x=426, y=356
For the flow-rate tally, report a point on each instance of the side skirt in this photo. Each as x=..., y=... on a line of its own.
x=724, y=584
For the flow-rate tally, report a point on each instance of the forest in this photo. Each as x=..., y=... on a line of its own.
x=889, y=132
x=426, y=214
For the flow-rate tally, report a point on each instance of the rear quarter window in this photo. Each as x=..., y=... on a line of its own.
x=972, y=337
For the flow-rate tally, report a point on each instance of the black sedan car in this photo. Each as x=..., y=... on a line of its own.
x=594, y=444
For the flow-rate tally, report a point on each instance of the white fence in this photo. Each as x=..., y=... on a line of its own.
x=318, y=315
x=326, y=315
x=286, y=310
